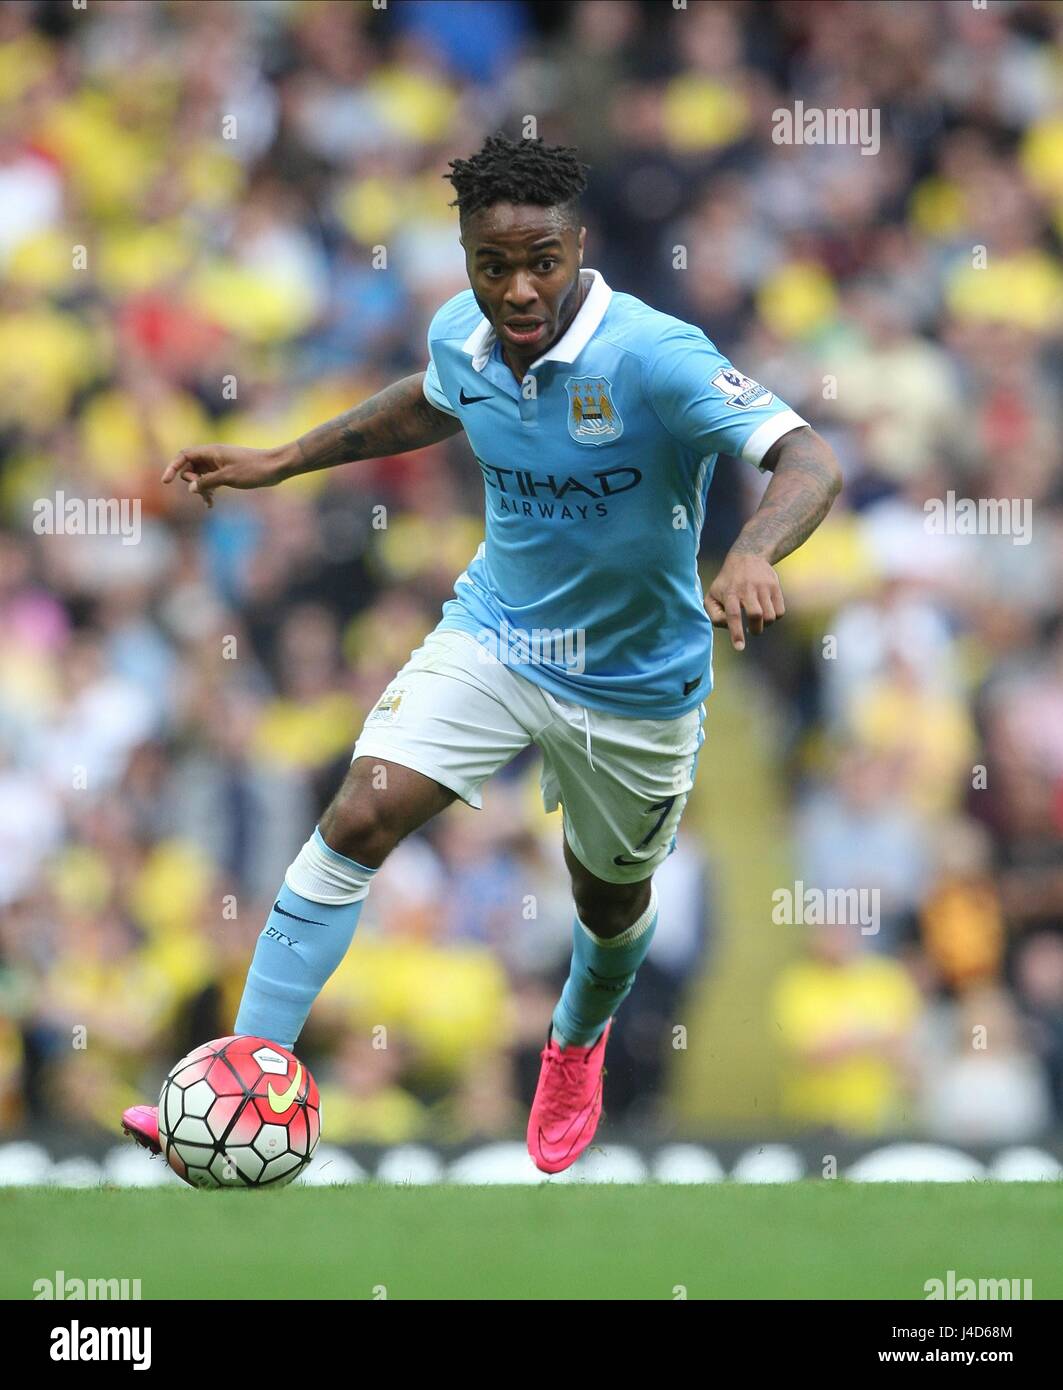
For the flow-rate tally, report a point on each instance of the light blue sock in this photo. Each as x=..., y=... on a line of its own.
x=600, y=977
x=305, y=937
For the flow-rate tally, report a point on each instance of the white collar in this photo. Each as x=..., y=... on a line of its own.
x=481, y=341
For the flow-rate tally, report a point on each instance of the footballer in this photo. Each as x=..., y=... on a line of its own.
x=580, y=625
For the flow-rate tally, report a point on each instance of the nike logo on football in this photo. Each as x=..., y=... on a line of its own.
x=308, y=920
x=470, y=400
x=279, y=1103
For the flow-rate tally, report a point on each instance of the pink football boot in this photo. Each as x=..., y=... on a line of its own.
x=141, y=1122
x=567, y=1104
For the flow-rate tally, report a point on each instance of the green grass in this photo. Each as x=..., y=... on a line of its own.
x=808, y=1240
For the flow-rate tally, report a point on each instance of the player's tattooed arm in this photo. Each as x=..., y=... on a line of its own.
x=806, y=479
x=394, y=421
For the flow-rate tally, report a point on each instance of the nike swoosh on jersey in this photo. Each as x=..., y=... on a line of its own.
x=470, y=400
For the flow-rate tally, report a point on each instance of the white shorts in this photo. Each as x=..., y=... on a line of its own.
x=457, y=714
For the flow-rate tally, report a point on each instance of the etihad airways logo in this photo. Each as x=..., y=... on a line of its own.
x=521, y=490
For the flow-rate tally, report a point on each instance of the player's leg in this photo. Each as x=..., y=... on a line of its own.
x=316, y=912
x=623, y=784
x=614, y=926
x=442, y=726
x=452, y=716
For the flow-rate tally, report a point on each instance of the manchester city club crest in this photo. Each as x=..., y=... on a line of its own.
x=592, y=414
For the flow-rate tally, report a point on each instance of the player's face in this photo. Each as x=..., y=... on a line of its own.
x=523, y=263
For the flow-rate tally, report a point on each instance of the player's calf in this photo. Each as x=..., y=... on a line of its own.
x=610, y=914
x=305, y=937
x=319, y=904
x=602, y=971
x=568, y=1099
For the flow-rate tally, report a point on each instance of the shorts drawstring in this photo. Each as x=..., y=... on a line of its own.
x=587, y=727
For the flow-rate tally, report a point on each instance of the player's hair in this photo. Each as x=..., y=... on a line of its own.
x=518, y=171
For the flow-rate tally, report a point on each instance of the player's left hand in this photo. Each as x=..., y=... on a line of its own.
x=746, y=583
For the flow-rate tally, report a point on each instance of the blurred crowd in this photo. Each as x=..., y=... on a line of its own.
x=227, y=221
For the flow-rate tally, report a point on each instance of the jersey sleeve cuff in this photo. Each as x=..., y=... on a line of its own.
x=435, y=397
x=769, y=433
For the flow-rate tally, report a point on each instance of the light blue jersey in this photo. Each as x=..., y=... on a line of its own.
x=596, y=470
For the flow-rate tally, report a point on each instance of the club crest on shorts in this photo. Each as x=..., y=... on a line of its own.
x=592, y=414
x=386, y=709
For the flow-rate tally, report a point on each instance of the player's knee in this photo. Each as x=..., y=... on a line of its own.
x=360, y=825
x=609, y=913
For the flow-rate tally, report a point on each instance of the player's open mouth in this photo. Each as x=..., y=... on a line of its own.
x=524, y=331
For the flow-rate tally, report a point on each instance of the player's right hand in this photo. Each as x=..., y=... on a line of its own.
x=205, y=467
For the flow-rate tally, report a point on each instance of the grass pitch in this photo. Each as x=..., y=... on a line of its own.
x=832, y=1240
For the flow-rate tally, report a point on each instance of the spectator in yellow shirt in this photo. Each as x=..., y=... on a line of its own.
x=846, y=1018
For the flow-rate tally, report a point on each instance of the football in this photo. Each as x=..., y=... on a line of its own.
x=239, y=1112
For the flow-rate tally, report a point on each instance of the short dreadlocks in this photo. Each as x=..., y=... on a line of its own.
x=518, y=171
